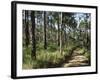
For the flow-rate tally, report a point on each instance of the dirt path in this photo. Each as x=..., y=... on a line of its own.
x=76, y=60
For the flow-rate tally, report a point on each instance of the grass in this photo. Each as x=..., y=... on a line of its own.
x=49, y=58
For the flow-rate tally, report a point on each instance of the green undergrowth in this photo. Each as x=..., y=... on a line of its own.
x=47, y=58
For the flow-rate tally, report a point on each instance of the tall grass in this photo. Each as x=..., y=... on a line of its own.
x=50, y=57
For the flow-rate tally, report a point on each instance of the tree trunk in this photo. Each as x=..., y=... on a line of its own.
x=24, y=26
x=26, y=29
x=65, y=38
x=45, y=24
x=58, y=34
x=33, y=55
x=61, y=33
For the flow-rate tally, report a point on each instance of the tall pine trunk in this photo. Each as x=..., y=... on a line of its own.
x=33, y=54
x=44, y=36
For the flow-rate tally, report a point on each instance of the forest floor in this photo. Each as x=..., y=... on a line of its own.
x=76, y=60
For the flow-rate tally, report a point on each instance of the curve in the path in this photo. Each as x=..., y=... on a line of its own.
x=76, y=60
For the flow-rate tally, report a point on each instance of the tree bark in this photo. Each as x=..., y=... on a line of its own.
x=33, y=55
x=61, y=33
x=45, y=24
x=26, y=29
x=58, y=35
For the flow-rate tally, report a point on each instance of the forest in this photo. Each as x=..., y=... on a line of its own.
x=56, y=39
